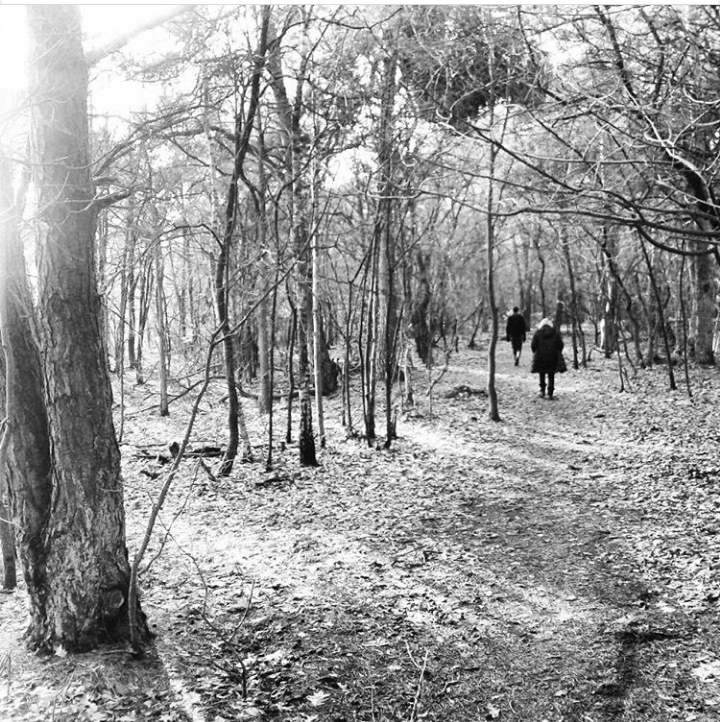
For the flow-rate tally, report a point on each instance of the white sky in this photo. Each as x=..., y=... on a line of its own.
x=101, y=23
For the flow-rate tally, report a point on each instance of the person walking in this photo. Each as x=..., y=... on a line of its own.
x=547, y=345
x=515, y=332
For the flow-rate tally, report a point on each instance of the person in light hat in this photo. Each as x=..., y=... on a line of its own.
x=547, y=360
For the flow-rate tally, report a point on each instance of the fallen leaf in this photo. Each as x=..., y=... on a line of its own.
x=318, y=698
x=707, y=670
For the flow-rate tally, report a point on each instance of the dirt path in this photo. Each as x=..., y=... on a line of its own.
x=476, y=569
x=559, y=565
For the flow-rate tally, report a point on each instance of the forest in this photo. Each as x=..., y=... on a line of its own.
x=265, y=450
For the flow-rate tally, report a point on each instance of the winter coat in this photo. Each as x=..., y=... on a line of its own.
x=515, y=327
x=546, y=346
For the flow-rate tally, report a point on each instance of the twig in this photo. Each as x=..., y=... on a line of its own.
x=421, y=677
x=157, y=506
x=6, y=666
x=168, y=527
x=207, y=470
x=229, y=642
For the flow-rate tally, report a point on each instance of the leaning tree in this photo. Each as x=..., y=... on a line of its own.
x=65, y=484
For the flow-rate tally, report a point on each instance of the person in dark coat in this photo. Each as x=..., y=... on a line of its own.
x=515, y=331
x=546, y=345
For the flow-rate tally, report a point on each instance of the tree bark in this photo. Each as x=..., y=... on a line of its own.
x=289, y=116
x=82, y=578
x=704, y=271
x=160, y=319
x=493, y=410
x=266, y=319
x=610, y=293
x=126, y=281
x=660, y=314
x=318, y=342
x=243, y=130
x=7, y=529
x=26, y=447
x=574, y=324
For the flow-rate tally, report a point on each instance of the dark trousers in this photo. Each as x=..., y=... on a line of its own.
x=550, y=383
x=516, y=342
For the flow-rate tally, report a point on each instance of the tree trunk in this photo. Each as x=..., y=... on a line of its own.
x=126, y=281
x=145, y=280
x=478, y=314
x=421, y=330
x=369, y=316
x=160, y=319
x=292, y=335
x=83, y=573
x=541, y=280
x=306, y=439
x=243, y=130
x=271, y=378
x=131, y=318
x=7, y=544
x=265, y=334
x=609, y=263
x=704, y=268
x=266, y=330
x=318, y=340
x=660, y=313
x=7, y=529
x=26, y=461
x=574, y=325
x=384, y=231
x=494, y=412
x=610, y=310
x=290, y=117
x=228, y=347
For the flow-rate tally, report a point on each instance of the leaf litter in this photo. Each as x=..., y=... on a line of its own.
x=559, y=565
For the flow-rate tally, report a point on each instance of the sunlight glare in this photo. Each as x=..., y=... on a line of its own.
x=13, y=52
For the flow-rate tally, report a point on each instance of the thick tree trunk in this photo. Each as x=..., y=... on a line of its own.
x=7, y=529
x=26, y=465
x=420, y=325
x=306, y=439
x=7, y=544
x=82, y=578
x=705, y=272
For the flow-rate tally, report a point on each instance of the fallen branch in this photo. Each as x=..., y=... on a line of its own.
x=464, y=390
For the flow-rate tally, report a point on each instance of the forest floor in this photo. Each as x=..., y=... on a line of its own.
x=560, y=565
